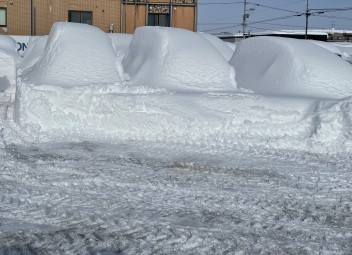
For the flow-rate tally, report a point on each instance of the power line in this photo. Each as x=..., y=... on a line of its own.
x=221, y=3
x=285, y=25
x=219, y=23
x=251, y=23
x=214, y=29
x=332, y=9
x=272, y=7
x=333, y=17
x=278, y=18
x=308, y=12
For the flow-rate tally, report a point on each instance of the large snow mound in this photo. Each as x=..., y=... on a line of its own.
x=34, y=52
x=9, y=46
x=7, y=72
x=193, y=101
x=8, y=60
x=328, y=46
x=176, y=59
x=283, y=66
x=220, y=45
x=75, y=54
x=346, y=49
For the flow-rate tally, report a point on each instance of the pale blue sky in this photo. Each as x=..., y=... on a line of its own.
x=227, y=15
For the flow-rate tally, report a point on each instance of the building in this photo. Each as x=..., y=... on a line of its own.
x=296, y=34
x=166, y=13
x=339, y=35
x=35, y=17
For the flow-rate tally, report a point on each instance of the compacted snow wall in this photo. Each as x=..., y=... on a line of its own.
x=8, y=60
x=75, y=54
x=283, y=66
x=176, y=59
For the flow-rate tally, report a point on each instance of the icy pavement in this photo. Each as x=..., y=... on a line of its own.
x=139, y=198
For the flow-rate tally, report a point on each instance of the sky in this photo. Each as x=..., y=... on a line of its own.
x=217, y=16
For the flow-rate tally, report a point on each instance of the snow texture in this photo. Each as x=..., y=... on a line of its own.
x=220, y=45
x=346, y=49
x=291, y=67
x=9, y=46
x=177, y=60
x=117, y=168
x=75, y=54
x=34, y=52
x=8, y=60
x=120, y=43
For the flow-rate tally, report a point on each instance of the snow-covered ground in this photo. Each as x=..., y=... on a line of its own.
x=162, y=143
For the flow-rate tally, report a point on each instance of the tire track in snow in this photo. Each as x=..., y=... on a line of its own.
x=90, y=201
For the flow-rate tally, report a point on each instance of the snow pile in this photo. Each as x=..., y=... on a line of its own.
x=9, y=46
x=120, y=43
x=283, y=66
x=232, y=46
x=203, y=109
x=35, y=50
x=328, y=46
x=176, y=59
x=206, y=120
x=8, y=60
x=220, y=45
x=346, y=49
x=75, y=54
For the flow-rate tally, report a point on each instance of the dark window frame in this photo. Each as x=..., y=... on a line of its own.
x=80, y=12
x=158, y=19
x=4, y=8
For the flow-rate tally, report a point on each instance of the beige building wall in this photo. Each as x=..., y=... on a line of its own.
x=18, y=17
x=47, y=12
x=125, y=16
x=181, y=17
x=135, y=13
x=134, y=16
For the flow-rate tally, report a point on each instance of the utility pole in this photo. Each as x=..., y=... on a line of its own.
x=307, y=17
x=244, y=24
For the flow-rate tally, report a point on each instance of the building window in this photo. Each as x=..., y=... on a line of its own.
x=3, y=18
x=155, y=19
x=159, y=15
x=84, y=17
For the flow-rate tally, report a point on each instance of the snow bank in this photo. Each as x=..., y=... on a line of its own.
x=220, y=45
x=120, y=43
x=176, y=59
x=283, y=66
x=346, y=49
x=8, y=60
x=9, y=46
x=199, y=112
x=328, y=46
x=34, y=52
x=75, y=54
x=210, y=120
